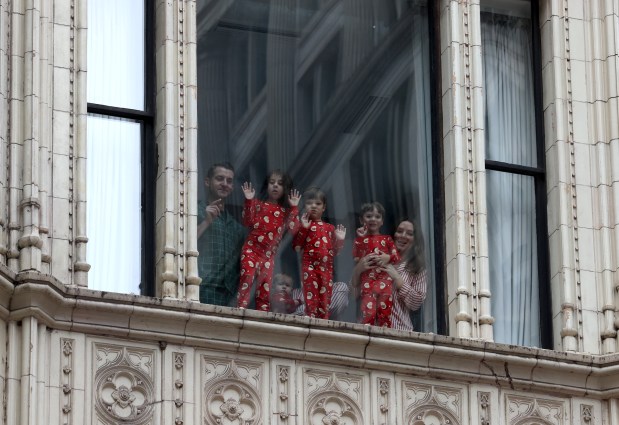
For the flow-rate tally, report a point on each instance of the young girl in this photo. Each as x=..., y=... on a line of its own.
x=267, y=221
x=320, y=242
x=376, y=285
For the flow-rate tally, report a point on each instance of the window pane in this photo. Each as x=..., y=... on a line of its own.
x=116, y=53
x=508, y=78
x=336, y=94
x=114, y=193
x=512, y=244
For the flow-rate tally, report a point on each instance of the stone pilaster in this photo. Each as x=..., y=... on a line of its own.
x=4, y=126
x=65, y=162
x=569, y=239
x=465, y=204
x=597, y=176
x=176, y=130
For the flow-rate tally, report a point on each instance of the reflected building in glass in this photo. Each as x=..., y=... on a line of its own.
x=335, y=93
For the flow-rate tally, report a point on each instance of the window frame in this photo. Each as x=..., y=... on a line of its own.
x=539, y=181
x=146, y=119
x=437, y=163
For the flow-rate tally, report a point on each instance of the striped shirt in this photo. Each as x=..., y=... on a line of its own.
x=408, y=298
x=339, y=300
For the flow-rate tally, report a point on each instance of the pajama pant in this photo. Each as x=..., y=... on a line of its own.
x=376, y=302
x=317, y=288
x=253, y=263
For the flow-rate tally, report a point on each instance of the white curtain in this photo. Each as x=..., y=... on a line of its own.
x=510, y=137
x=113, y=211
x=116, y=53
x=115, y=78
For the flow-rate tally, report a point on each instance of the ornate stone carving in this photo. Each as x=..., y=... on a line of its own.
x=530, y=411
x=235, y=401
x=231, y=391
x=334, y=409
x=283, y=373
x=431, y=404
x=124, y=390
x=179, y=363
x=484, y=408
x=333, y=398
x=383, y=400
x=67, y=378
x=586, y=414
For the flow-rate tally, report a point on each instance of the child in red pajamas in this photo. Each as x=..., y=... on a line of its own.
x=267, y=221
x=376, y=285
x=320, y=243
x=281, y=295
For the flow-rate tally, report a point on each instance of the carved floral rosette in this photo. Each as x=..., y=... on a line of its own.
x=124, y=391
x=429, y=404
x=232, y=402
x=333, y=398
x=230, y=392
x=334, y=408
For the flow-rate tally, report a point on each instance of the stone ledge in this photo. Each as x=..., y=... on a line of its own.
x=338, y=343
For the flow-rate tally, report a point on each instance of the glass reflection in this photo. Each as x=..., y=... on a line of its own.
x=334, y=94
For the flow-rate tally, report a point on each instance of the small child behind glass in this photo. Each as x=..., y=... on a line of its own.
x=320, y=243
x=267, y=220
x=376, y=285
x=281, y=295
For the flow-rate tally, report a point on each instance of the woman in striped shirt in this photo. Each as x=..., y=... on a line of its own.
x=409, y=275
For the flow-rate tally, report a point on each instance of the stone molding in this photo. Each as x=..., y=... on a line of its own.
x=249, y=332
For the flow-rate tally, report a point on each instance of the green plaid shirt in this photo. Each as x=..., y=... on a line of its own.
x=218, y=263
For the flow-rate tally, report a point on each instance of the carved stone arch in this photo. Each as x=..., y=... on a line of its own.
x=333, y=408
x=232, y=401
x=425, y=415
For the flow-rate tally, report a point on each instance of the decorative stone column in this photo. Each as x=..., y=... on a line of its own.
x=569, y=239
x=4, y=126
x=464, y=164
x=43, y=138
x=176, y=130
x=594, y=62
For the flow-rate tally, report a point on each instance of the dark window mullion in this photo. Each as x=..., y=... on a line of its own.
x=546, y=333
x=113, y=111
x=514, y=168
x=149, y=154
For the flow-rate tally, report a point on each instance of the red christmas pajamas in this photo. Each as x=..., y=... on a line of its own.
x=376, y=287
x=319, y=246
x=267, y=222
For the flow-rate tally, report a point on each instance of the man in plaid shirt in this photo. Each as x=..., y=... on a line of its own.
x=220, y=238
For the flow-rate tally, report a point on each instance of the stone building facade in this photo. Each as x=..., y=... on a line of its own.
x=73, y=355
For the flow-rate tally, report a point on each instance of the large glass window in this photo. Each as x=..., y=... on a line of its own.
x=119, y=123
x=515, y=182
x=335, y=94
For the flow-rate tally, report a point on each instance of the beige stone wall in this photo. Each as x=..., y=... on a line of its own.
x=81, y=356
x=65, y=349
x=43, y=90
x=580, y=66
